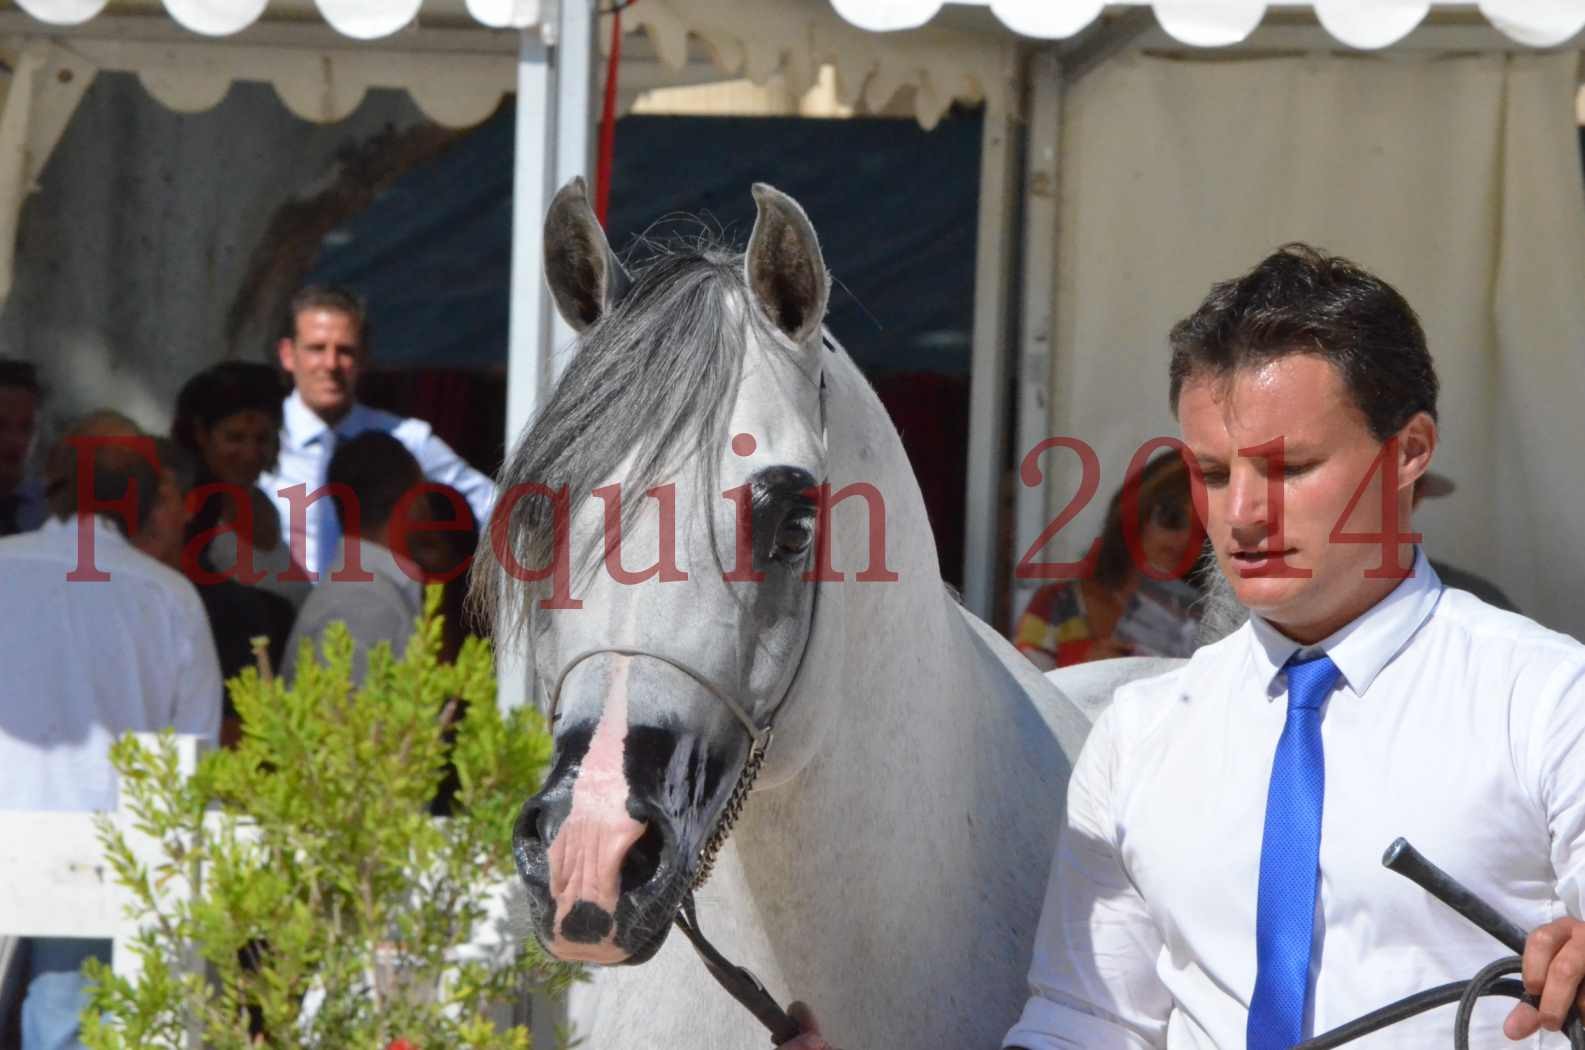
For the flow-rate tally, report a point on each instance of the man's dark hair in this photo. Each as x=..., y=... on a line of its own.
x=1300, y=300
x=19, y=375
x=329, y=297
x=377, y=471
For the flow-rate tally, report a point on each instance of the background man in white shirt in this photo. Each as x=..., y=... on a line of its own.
x=376, y=485
x=1308, y=400
x=86, y=660
x=325, y=353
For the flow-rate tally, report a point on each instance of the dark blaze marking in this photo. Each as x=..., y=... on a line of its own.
x=586, y=923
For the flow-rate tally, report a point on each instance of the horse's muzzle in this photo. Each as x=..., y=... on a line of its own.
x=604, y=881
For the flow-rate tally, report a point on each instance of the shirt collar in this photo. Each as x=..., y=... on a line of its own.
x=303, y=427
x=1361, y=648
x=64, y=530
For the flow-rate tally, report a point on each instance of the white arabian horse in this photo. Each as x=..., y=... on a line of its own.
x=890, y=865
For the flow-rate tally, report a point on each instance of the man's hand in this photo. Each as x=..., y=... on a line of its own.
x=811, y=1038
x=1554, y=964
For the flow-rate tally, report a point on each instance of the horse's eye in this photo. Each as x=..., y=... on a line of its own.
x=793, y=538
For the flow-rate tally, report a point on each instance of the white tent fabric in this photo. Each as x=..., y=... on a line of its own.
x=323, y=78
x=359, y=19
x=455, y=71
x=1365, y=24
x=1457, y=180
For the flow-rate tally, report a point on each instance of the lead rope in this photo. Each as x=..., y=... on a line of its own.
x=738, y=981
x=1495, y=979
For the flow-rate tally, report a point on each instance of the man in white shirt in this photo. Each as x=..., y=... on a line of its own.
x=325, y=353
x=101, y=640
x=1218, y=881
x=372, y=585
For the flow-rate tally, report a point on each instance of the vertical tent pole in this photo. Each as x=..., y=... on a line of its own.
x=992, y=346
x=555, y=66
x=1042, y=185
x=528, y=327
x=554, y=89
x=576, y=63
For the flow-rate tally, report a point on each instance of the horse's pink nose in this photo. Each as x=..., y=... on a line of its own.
x=581, y=860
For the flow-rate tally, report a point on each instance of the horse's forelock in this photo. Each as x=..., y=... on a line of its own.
x=655, y=379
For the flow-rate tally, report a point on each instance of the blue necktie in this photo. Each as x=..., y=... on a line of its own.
x=1290, y=854
x=328, y=534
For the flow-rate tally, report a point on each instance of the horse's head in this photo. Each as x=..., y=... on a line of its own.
x=653, y=544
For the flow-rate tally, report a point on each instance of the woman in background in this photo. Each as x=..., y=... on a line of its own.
x=229, y=418
x=1072, y=621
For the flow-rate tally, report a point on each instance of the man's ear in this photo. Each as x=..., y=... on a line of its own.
x=1416, y=441
x=283, y=350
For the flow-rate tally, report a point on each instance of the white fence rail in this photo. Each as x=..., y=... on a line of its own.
x=57, y=883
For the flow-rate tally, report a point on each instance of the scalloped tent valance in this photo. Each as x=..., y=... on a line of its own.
x=357, y=19
x=323, y=55
x=1364, y=24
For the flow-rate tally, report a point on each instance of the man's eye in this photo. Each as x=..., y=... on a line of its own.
x=1293, y=470
x=1214, y=478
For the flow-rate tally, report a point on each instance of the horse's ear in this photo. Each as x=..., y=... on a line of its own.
x=786, y=272
x=584, y=277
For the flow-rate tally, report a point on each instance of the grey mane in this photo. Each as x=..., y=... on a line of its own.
x=657, y=376
x=1221, y=614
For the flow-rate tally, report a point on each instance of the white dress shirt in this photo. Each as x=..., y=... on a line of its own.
x=84, y=661
x=1453, y=724
x=383, y=608
x=305, y=453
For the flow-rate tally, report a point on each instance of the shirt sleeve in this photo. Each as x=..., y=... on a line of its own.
x=1562, y=783
x=199, y=689
x=442, y=465
x=1093, y=981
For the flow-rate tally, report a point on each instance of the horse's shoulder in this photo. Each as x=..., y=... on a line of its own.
x=1092, y=686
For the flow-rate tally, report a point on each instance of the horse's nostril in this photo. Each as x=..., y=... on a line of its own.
x=532, y=825
x=643, y=859
x=542, y=830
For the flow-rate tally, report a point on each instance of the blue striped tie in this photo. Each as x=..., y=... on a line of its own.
x=1290, y=856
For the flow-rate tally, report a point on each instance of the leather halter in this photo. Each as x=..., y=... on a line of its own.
x=738, y=981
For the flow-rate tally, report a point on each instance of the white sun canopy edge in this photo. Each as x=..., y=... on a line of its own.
x=1363, y=24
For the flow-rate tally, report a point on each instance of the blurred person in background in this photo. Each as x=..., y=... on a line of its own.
x=325, y=349
x=22, y=505
x=1432, y=485
x=443, y=550
x=113, y=642
x=1075, y=621
x=228, y=417
x=370, y=584
x=238, y=614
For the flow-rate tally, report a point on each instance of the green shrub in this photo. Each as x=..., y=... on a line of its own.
x=346, y=893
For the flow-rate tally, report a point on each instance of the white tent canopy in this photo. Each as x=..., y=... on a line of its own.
x=1365, y=24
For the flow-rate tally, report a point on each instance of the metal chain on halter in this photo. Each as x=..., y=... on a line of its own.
x=733, y=809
